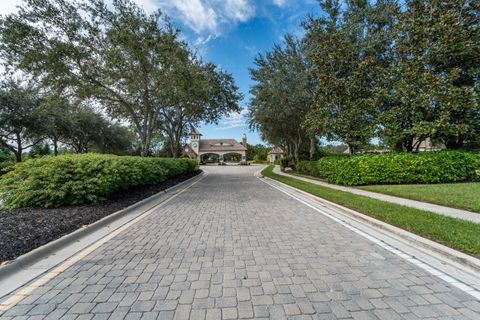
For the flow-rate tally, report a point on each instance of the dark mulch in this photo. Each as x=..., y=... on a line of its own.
x=24, y=229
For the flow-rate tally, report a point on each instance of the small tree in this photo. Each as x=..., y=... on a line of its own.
x=21, y=119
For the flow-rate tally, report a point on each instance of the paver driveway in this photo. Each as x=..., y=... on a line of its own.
x=233, y=247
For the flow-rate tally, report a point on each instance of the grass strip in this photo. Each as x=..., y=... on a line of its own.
x=455, y=233
x=456, y=195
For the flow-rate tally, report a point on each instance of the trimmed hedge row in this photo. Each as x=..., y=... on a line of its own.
x=397, y=168
x=83, y=178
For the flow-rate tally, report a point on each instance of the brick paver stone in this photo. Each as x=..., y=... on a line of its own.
x=233, y=247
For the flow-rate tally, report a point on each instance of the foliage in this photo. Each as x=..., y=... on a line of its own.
x=347, y=46
x=399, y=168
x=6, y=162
x=21, y=120
x=287, y=162
x=307, y=167
x=455, y=195
x=77, y=179
x=132, y=63
x=117, y=56
x=258, y=152
x=456, y=233
x=401, y=71
x=282, y=95
x=429, y=88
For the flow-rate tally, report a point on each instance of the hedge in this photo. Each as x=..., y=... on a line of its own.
x=87, y=178
x=397, y=168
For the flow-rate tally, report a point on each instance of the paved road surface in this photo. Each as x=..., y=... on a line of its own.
x=233, y=247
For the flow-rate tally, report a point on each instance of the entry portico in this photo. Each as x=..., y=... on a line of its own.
x=199, y=147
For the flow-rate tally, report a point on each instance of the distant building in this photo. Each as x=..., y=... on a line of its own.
x=276, y=153
x=199, y=148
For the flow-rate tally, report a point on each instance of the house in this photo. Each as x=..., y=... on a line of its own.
x=200, y=149
x=276, y=153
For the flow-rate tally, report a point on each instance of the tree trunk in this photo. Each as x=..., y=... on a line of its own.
x=55, y=146
x=409, y=144
x=351, y=149
x=295, y=152
x=398, y=146
x=313, y=147
x=18, y=153
x=145, y=145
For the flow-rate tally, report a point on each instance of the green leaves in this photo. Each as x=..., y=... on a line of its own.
x=132, y=63
x=78, y=179
x=282, y=95
x=399, y=168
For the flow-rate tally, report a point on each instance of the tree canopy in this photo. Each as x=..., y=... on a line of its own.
x=131, y=63
x=282, y=95
x=400, y=72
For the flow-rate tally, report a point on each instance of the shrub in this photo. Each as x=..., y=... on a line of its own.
x=87, y=178
x=307, y=167
x=287, y=162
x=6, y=163
x=397, y=168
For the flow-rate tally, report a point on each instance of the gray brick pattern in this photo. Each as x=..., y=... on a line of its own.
x=235, y=248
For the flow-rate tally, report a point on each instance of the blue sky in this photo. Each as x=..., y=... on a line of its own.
x=229, y=33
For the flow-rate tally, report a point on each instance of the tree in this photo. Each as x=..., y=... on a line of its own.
x=57, y=112
x=431, y=90
x=21, y=121
x=116, y=139
x=348, y=48
x=87, y=128
x=282, y=96
x=121, y=56
x=257, y=152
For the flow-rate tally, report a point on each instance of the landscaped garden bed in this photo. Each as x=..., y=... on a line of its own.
x=43, y=199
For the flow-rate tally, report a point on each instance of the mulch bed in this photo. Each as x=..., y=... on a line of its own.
x=24, y=229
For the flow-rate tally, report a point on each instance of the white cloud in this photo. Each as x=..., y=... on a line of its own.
x=147, y=5
x=234, y=120
x=209, y=16
x=280, y=3
x=239, y=10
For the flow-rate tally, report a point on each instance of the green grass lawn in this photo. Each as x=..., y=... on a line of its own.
x=456, y=195
x=456, y=233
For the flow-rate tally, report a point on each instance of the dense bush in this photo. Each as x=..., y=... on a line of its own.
x=307, y=167
x=396, y=168
x=87, y=178
x=6, y=162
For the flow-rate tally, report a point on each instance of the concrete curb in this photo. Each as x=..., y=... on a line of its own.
x=467, y=261
x=135, y=210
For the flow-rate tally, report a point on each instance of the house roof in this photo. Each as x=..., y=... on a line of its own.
x=221, y=145
x=195, y=131
x=276, y=150
x=188, y=149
